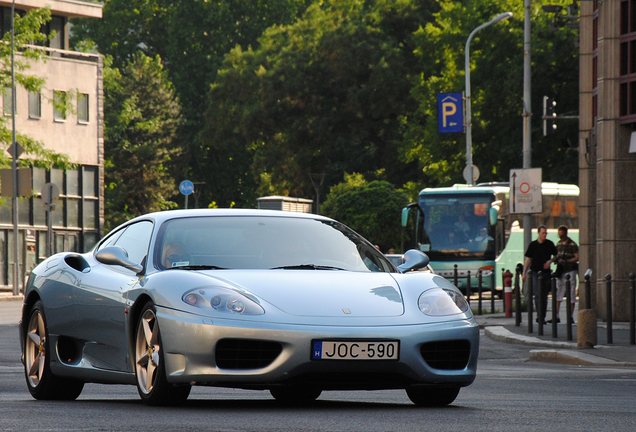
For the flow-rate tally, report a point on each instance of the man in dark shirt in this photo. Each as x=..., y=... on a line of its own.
x=538, y=259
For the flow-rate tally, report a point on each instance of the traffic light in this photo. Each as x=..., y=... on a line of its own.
x=549, y=116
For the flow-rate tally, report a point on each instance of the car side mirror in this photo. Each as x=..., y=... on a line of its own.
x=492, y=215
x=117, y=255
x=413, y=260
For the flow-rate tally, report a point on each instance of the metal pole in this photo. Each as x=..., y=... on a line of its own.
x=469, y=135
x=632, y=309
x=540, y=305
x=588, y=292
x=479, y=288
x=529, y=276
x=553, y=283
x=14, y=164
x=608, y=293
x=492, y=293
x=527, y=113
x=518, y=271
x=568, y=306
x=469, y=289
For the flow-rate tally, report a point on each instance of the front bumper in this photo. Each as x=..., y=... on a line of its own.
x=189, y=343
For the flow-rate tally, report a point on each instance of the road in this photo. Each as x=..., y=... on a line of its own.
x=510, y=394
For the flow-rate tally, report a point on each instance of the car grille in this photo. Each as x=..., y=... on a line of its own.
x=246, y=353
x=446, y=355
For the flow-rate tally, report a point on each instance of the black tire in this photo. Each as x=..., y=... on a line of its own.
x=150, y=370
x=432, y=396
x=42, y=384
x=295, y=395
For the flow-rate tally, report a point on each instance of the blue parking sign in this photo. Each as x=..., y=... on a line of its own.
x=450, y=109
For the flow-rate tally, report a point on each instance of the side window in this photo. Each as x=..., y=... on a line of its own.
x=136, y=240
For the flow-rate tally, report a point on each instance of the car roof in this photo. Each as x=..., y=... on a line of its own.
x=163, y=216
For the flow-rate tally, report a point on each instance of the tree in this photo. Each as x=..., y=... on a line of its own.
x=141, y=120
x=322, y=95
x=497, y=92
x=191, y=37
x=26, y=31
x=370, y=208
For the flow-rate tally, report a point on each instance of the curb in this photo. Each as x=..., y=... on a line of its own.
x=574, y=358
x=564, y=352
x=11, y=297
x=501, y=334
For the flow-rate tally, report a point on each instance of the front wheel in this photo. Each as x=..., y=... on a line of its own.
x=42, y=384
x=150, y=369
x=432, y=396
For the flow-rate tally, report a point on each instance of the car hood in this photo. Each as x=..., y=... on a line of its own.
x=321, y=293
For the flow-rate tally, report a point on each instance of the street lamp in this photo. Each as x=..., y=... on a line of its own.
x=469, y=136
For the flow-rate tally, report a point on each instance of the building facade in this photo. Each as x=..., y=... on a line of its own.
x=607, y=162
x=77, y=221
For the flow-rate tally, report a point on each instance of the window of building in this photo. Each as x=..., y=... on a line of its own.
x=35, y=105
x=627, y=104
x=7, y=101
x=82, y=108
x=59, y=105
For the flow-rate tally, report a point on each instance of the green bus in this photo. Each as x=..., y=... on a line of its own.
x=471, y=227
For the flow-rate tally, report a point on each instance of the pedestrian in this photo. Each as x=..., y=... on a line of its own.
x=567, y=261
x=538, y=259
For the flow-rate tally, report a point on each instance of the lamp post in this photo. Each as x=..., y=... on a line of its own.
x=14, y=163
x=469, y=136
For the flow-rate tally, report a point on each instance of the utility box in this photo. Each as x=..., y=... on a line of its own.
x=299, y=205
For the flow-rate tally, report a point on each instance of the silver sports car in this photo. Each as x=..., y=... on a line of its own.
x=291, y=303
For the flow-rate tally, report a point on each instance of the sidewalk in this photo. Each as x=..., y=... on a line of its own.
x=560, y=349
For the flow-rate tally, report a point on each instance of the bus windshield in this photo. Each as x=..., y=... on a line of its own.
x=456, y=226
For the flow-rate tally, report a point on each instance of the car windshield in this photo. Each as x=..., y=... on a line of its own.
x=255, y=242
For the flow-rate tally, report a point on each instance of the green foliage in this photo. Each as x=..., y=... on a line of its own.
x=141, y=121
x=370, y=208
x=26, y=31
x=191, y=37
x=322, y=95
x=496, y=57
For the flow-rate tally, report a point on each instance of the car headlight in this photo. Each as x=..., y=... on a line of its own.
x=442, y=301
x=223, y=300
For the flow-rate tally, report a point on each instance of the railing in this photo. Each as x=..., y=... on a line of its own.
x=480, y=288
x=568, y=300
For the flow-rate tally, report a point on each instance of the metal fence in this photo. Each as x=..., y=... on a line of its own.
x=588, y=303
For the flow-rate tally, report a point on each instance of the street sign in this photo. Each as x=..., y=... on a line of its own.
x=525, y=191
x=25, y=182
x=186, y=187
x=450, y=112
x=50, y=192
x=475, y=174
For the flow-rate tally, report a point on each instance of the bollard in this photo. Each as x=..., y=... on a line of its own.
x=632, y=309
x=468, y=287
x=518, y=271
x=608, y=298
x=588, y=289
x=553, y=283
x=530, y=303
x=540, y=311
x=492, y=291
x=479, y=286
x=506, y=278
x=568, y=306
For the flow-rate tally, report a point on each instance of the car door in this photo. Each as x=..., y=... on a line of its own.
x=102, y=295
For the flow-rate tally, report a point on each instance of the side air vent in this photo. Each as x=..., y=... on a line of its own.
x=246, y=353
x=446, y=355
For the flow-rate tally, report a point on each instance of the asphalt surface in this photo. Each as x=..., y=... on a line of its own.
x=499, y=328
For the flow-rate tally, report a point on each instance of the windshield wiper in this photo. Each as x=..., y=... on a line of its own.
x=306, y=267
x=197, y=267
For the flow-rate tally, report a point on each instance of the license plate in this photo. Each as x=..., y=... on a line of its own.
x=355, y=350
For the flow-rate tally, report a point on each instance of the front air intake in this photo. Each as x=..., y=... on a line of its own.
x=446, y=355
x=246, y=353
